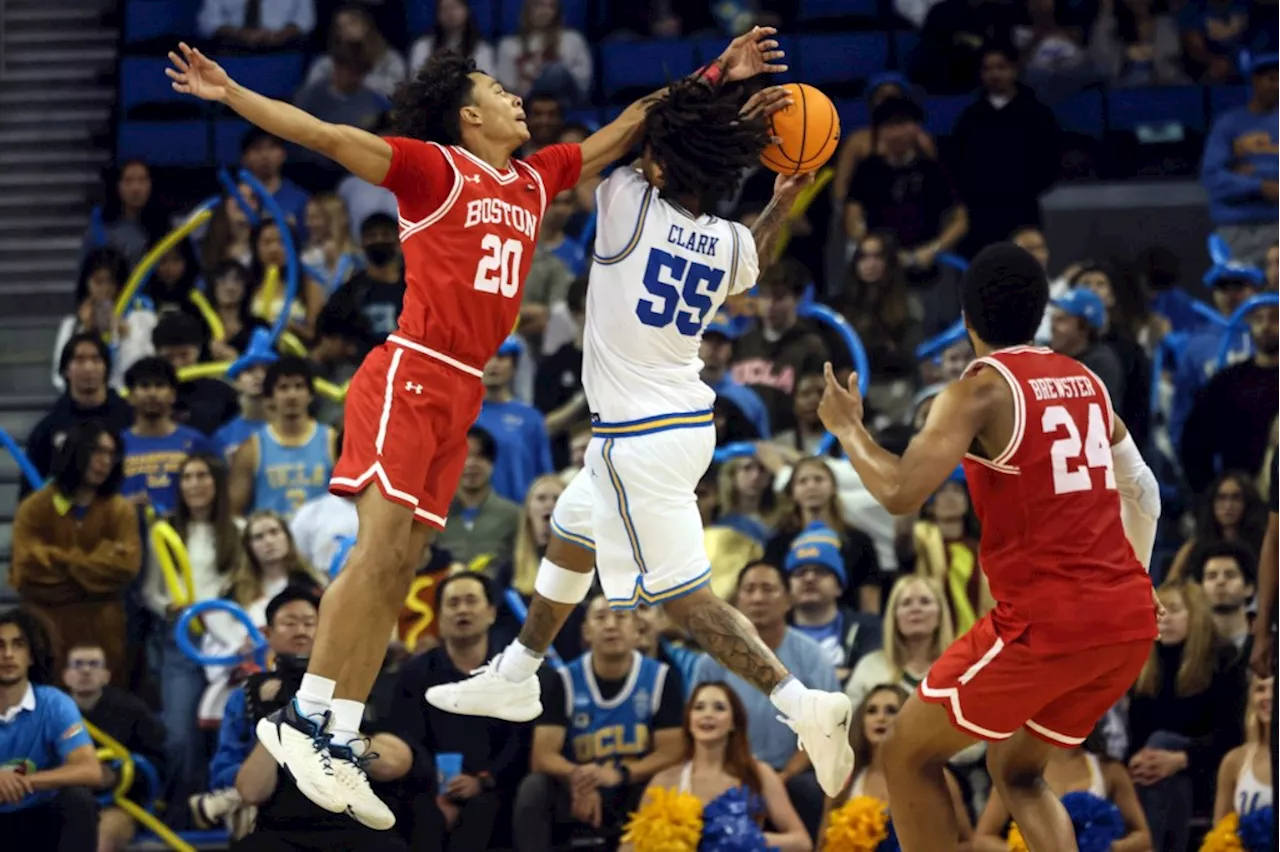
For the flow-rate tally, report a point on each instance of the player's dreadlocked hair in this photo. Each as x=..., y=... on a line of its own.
x=1004, y=293
x=426, y=105
x=704, y=148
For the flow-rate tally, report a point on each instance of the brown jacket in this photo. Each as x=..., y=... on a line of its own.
x=75, y=570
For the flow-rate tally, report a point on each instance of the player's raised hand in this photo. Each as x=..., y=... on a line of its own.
x=840, y=407
x=765, y=103
x=754, y=52
x=196, y=74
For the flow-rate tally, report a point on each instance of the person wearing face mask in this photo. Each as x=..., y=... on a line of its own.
x=377, y=291
x=1233, y=420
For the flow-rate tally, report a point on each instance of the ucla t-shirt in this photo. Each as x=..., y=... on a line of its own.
x=234, y=433
x=38, y=734
x=151, y=463
x=524, y=451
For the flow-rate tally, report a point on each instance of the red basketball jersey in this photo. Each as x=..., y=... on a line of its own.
x=469, y=232
x=1053, y=546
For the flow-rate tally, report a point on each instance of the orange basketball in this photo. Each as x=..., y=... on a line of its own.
x=809, y=129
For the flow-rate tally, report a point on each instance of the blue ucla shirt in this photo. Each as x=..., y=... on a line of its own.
x=151, y=463
x=524, y=452
x=39, y=734
x=291, y=474
x=234, y=433
x=602, y=730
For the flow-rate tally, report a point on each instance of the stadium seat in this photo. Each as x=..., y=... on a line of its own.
x=840, y=63
x=905, y=43
x=508, y=20
x=589, y=117
x=155, y=20
x=816, y=10
x=164, y=143
x=143, y=81
x=854, y=114
x=629, y=67
x=942, y=113
x=1223, y=98
x=420, y=16
x=1082, y=113
x=276, y=75
x=1130, y=108
x=227, y=133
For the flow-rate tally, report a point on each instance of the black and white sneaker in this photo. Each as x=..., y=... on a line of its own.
x=353, y=780
x=300, y=744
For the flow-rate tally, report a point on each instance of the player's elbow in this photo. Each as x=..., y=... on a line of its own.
x=900, y=502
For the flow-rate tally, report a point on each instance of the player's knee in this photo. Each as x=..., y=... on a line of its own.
x=1011, y=777
x=679, y=609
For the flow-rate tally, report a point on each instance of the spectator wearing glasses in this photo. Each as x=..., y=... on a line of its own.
x=76, y=546
x=1230, y=510
x=121, y=716
x=48, y=764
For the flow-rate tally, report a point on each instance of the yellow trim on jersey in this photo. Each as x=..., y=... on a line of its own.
x=573, y=538
x=649, y=425
x=624, y=507
x=641, y=596
x=635, y=233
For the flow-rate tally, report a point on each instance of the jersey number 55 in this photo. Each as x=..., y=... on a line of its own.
x=680, y=291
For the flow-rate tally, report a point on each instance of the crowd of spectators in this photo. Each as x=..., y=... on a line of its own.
x=847, y=595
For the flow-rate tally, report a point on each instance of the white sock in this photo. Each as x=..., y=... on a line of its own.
x=786, y=696
x=518, y=663
x=315, y=696
x=347, y=716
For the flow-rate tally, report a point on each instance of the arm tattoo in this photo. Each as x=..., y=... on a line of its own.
x=766, y=230
x=728, y=637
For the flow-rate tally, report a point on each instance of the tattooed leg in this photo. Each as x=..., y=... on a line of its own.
x=726, y=635
x=543, y=622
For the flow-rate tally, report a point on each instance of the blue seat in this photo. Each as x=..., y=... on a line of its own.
x=508, y=19
x=164, y=143
x=1223, y=98
x=644, y=64
x=420, y=16
x=143, y=81
x=146, y=20
x=942, y=113
x=854, y=114
x=589, y=117
x=1082, y=113
x=1129, y=108
x=227, y=133
x=816, y=10
x=275, y=75
x=905, y=43
x=841, y=58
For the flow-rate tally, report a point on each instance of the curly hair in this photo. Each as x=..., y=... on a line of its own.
x=696, y=135
x=1004, y=294
x=426, y=105
x=39, y=636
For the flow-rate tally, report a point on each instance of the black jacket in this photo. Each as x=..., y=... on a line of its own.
x=48, y=434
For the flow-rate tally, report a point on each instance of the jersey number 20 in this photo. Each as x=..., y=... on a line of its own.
x=679, y=291
x=499, y=269
x=1070, y=471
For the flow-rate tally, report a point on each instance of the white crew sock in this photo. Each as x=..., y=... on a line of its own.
x=315, y=696
x=347, y=716
x=518, y=663
x=786, y=696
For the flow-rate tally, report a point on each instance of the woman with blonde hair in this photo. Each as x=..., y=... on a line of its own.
x=812, y=496
x=1184, y=715
x=718, y=762
x=917, y=629
x=1244, y=778
x=330, y=248
x=946, y=546
x=746, y=498
x=353, y=23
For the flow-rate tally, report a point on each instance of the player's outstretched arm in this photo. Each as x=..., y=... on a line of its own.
x=902, y=483
x=1139, y=493
x=754, y=52
x=362, y=153
x=767, y=228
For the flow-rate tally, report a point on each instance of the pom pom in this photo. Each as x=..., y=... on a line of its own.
x=1223, y=837
x=890, y=843
x=1015, y=841
x=860, y=825
x=728, y=823
x=1256, y=829
x=1097, y=822
x=667, y=821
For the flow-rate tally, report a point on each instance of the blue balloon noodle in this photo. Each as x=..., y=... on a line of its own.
x=1238, y=320
x=233, y=192
x=290, y=253
x=259, y=351
x=521, y=612
x=1206, y=312
x=97, y=227
x=941, y=341
x=182, y=634
x=345, y=543
x=29, y=472
x=953, y=260
x=861, y=364
x=151, y=776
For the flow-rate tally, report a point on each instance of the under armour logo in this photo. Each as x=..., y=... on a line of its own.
x=530, y=187
x=472, y=178
x=410, y=386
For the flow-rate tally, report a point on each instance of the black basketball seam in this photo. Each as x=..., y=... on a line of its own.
x=831, y=120
x=804, y=125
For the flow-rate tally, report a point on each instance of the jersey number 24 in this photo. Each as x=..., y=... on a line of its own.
x=1071, y=457
x=679, y=291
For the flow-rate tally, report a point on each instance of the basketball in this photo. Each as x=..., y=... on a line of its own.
x=809, y=129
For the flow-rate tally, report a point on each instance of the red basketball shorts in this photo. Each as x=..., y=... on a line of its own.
x=405, y=428
x=991, y=688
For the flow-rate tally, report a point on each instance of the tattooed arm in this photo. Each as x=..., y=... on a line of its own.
x=767, y=227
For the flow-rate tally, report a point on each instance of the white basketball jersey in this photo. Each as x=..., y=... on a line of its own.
x=658, y=277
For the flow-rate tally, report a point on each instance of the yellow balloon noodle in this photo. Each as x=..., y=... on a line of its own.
x=212, y=370
x=116, y=751
x=289, y=344
x=159, y=250
x=330, y=391
x=216, y=328
x=802, y=202
x=175, y=565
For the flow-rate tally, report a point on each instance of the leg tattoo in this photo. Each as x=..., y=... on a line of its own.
x=726, y=635
x=543, y=622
